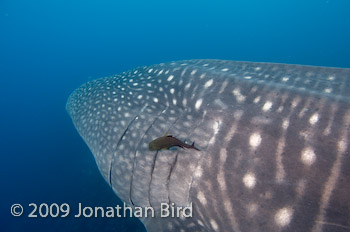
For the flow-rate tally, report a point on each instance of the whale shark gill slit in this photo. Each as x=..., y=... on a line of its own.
x=150, y=183
x=119, y=142
x=135, y=153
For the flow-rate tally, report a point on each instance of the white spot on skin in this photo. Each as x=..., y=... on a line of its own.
x=285, y=79
x=255, y=140
x=155, y=100
x=283, y=216
x=194, y=72
x=267, y=106
x=200, y=222
x=172, y=91
x=249, y=180
x=295, y=102
x=201, y=198
x=239, y=97
x=308, y=156
x=184, y=102
x=285, y=124
x=198, y=104
x=313, y=119
x=224, y=69
x=221, y=180
x=223, y=86
x=208, y=83
x=214, y=225
x=170, y=77
x=328, y=90
x=198, y=172
x=341, y=146
x=257, y=99
x=216, y=126
x=223, y=155
x=248, y=77
x=331, y=78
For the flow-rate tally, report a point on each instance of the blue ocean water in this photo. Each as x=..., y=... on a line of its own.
x=49, y=48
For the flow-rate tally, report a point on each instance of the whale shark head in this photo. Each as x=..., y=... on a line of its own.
x=273, y=143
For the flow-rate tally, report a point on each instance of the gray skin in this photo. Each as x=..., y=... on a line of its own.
x=273, y=141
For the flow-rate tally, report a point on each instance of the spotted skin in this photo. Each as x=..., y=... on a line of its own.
x=274, y=141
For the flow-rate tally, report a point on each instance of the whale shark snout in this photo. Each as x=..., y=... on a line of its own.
x=273, y=143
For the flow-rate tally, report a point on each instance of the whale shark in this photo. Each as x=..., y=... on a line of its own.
x=273, y=144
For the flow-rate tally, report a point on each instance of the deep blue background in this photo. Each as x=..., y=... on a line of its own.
x=48, y=48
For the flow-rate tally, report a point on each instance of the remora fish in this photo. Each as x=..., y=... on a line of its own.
x=167, y=142
x=274, y=143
